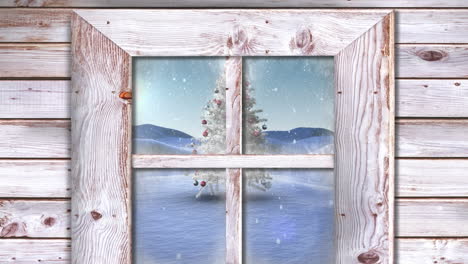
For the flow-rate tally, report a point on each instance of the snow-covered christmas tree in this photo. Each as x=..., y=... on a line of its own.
x=213, y=139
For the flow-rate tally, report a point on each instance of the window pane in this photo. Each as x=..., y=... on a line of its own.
x=289, y=216
x=179, y=216
x=288, y=105
x=179, y=106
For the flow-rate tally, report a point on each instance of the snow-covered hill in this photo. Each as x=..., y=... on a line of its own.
x=151, y=139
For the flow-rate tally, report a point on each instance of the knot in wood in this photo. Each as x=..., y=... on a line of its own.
x=96, y=215
x=49, y=221
x=239, y=37
x=125, y=95
x=431, y=55
x=369, y=257
x=303, y=38
x=303, y=41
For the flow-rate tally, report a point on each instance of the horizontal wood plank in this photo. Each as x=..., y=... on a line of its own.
x=412, y=26
x=431, y=217
x=432, y=138
x=413, y=61
x=432, y=177
x=431, y=251
x=432, y=98
x=31, y=218
x=34, y=60
x=414, y=218
x=409, y=251
x=44, y=251
x=231, y=32
x=44, y=25
x=415, y=138
x=414, y=98
x=238, y=3
x=35, y=178
x=415, y=178
x=233, y=161
x=432, y=26
x=432, y=61
x=34, y=139
x=34, y=99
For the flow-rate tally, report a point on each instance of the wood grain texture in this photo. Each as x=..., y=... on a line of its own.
x=432, y=138
x=232, y=32
x=35, y=178
x=34, y=139
x=34, y=60
x=412, y=26
x=414, y=98
x=432, y=98
x=233, y=73
x=410, y=251
x=44, y=251
x=432, y=251
x=238, y=3
x=34, y=99
x=432, y=177
x=233, y=161
x=44, y=25
x=432, y=61
x=432, y=217
x=25, y=218
x=101, y=158
x=414, y=61
x=432, y=26
x=364, y=148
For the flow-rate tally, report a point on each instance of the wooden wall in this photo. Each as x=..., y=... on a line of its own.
x=431, y=141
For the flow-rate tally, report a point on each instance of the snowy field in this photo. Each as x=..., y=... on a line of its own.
x=290, y=223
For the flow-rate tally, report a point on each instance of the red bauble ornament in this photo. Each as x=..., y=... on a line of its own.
x=218, y=102
x=256, y=133
x=204, y=122
x=205, y=133
x=203, y=183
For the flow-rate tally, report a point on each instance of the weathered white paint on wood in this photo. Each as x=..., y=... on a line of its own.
x=432, y=26
x=441, y=217
x=432, y=61
x=432, y=98
x=237, y=3
x=364, y=147
x=34, y=139
x=36, y=218
x=35, y=60
x=414, y=61
x=414, y=98
x=432, y=138
x=412, y=26
x=233, y=161
x=410, y=251
x=45, y=25
x=232, y=32
x=432, y=251
x=35, y=178
x=44, y=251
x=101, y=158
x=233, y=74
x=432, y=217
x=34, y=99
x=432, y=177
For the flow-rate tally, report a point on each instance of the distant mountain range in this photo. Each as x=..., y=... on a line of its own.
x=151, y=139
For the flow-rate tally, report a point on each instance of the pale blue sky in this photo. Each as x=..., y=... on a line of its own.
x=292, y=91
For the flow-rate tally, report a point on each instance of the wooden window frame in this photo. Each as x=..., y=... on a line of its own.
x=103, y=45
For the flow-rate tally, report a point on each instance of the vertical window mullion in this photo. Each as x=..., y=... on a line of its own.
x=233, y=73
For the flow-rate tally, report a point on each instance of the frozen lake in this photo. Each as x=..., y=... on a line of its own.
x=290, y=223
